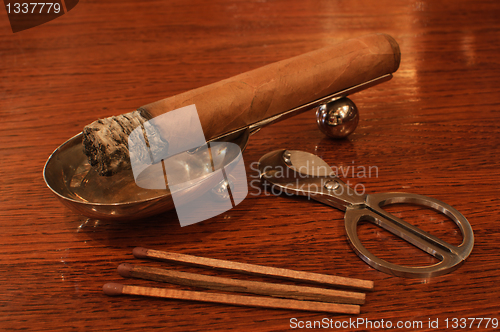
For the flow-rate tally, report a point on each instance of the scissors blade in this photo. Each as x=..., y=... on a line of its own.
x=307, y=163
x=302, y=173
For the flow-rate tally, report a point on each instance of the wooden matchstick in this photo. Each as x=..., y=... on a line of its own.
x=254, y=269
x=244, y=286
x=251, y=301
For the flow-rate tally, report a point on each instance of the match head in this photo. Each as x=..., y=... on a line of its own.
x=124, y=270
x=112, y=289
x=140, y=252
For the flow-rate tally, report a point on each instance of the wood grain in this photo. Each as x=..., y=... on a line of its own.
x=432, y=130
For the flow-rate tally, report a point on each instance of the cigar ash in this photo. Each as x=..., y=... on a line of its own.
x=106, y=142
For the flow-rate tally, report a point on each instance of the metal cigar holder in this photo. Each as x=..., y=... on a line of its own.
x=69, y=175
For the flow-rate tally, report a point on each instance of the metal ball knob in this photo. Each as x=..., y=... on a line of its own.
x=338, y=118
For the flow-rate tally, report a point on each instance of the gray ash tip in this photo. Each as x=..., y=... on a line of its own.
x=105, y=141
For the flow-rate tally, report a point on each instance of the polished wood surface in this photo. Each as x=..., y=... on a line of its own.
x=432, y=130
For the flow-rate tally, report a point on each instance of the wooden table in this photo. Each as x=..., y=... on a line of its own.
x=432, y=130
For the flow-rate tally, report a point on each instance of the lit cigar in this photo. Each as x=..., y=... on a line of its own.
x=243, y=100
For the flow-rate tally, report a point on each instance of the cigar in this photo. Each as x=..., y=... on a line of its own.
x=242, y=100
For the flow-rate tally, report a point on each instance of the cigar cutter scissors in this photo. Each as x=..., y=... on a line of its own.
x=303, y=173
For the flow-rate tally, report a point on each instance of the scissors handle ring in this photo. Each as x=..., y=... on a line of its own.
x=450, y=256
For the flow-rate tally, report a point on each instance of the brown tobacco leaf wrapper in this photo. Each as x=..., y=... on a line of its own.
x=247, y=98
